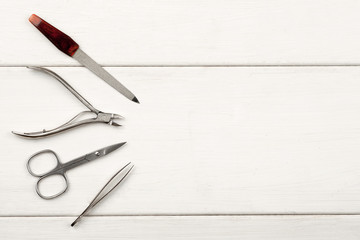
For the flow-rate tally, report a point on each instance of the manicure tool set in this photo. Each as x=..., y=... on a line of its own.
x=68, y=46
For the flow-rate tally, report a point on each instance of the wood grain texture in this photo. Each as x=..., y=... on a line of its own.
x=230, y=227
x=217, y=148
x=190, y=32
x=203, y=141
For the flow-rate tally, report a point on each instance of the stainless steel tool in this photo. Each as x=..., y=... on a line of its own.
x=68, y=46
x=100, y=117
x=109, y=187
x=61, y=168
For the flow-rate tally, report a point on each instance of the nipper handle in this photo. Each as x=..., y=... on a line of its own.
x=62, y=41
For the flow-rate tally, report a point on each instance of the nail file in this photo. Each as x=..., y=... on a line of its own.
x=68, y=46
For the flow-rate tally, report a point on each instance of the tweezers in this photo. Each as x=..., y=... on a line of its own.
x=104, y=192
x=100, y=117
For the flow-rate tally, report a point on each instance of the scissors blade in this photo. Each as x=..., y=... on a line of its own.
x=99, y=71
x=103, y=151
x=85, y=159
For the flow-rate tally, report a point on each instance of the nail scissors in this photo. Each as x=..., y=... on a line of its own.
x=101, y=117
x=61, y=168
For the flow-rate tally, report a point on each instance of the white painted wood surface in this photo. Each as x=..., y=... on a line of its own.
x=175, y=227
x=186, y=32
x=207, y=141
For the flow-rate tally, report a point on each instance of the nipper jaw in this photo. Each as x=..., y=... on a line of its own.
x=108, y=118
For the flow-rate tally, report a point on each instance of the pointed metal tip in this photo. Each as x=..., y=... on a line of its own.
x=135, y=100
x=76, y=221
x=117, y=145
x=120, y=144
x=34, y=67
x=117, y=116
x=115, y=124
x=17, y=133
x=111, y=148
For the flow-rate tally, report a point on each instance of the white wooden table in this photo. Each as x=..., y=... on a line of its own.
x=248, y=127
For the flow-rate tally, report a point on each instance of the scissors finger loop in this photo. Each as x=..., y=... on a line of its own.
x=47, y=197
x=37, y=154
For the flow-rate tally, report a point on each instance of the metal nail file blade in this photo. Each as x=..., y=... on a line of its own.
x=68, y=46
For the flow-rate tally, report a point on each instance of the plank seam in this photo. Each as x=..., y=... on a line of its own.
x=184, y=215
x=197, y=66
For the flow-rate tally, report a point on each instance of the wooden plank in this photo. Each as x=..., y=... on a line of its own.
x=230, y=227
x=204, y=140
x=186, y=32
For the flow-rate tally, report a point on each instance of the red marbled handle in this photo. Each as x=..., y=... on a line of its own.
x=62, y=41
